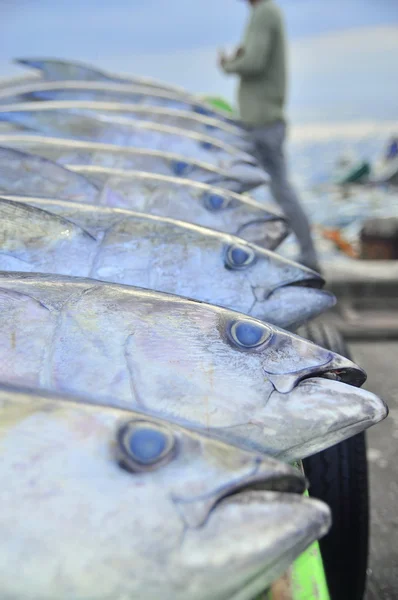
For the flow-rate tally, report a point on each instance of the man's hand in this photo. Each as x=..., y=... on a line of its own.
x=222, y=58
x=238, y=52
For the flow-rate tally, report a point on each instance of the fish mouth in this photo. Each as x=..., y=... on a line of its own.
x=268, y=232
x=252, y=538
x=280, y=482
x=315, y=362
x=246, y=175
x=244, y=158
x=289, y=306
x=338, y=411
x=350, y=375
x=302, y=277
x=265, y=475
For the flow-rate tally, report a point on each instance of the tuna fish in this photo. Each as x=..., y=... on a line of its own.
x=42, y=117
x=247, y=382
x=103, y=503
x=120, y=246
x=77, y=152
x=106, y=91
x=61, y=70
x=27, y=174
x=129, y=113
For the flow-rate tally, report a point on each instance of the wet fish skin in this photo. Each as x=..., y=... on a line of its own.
x=248, y=382
x=22, y=173
x=102, y=91
x=77, y=152
x=56, y=70
x=112, y=92
x=191, y=201
x=153, y=530
x=27, y=174
x=67, y=238
x=121, y=113
x=123, y=132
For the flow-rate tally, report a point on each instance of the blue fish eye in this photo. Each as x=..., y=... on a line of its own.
x=239, y=257
x=215, y=201
x=200, y=110
x=147, y=445
x=206, y=145
x=144, y=446
x=249, y=335
x=181, y=168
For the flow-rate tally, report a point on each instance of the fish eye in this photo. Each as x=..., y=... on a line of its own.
x=181, y=168
x=144, y=446
x=215, y=202
x=239, y=257
x=201, y=110
x=207, y=145
x=246, y=334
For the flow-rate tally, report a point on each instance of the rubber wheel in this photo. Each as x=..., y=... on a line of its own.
x=339, y=477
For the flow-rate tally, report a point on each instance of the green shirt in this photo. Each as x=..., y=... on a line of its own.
x=261, y=66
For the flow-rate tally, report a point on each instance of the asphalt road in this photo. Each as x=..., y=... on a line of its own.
x=380, y=360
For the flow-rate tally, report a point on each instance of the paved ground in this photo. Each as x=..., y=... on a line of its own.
x=380, y=360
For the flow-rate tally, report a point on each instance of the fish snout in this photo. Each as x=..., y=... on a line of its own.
x=341, y=369
x=260, y=473
x=248, y=175
x=290, y=359
x=267, y=232
x=291, y=305
x=251, y=539
x=317, y=414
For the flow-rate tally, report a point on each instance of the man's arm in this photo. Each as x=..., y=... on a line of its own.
x=252, y=59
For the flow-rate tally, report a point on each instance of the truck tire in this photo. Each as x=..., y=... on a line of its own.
x=339, y=477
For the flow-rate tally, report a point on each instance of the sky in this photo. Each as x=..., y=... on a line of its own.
x=342, y=53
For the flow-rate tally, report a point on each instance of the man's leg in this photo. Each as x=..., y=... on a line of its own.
x=269, y=146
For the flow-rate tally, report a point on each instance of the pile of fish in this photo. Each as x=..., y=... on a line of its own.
x=151, y=394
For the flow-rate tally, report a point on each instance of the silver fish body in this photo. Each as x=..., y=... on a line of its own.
x=176, y=114
x=129, y=113
x=120, y=246
x=55, y=70
x=246, y=381
x=75, y=524
x=123, y=132
x=60, y=70
x=76, y=152
x=27, y=174
x=100, y=91
x=104, y=91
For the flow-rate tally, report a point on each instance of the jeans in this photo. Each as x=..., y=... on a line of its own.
x=269, y=142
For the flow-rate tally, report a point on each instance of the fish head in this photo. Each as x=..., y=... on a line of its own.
x=237, y=376
x=314, y=401
x=148, y=502
x=246, y=176
x=244, y=218
x=284, y=293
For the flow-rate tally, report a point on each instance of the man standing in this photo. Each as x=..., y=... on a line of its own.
x=260, y=64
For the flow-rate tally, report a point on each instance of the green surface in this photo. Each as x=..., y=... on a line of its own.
x=308, y=580
x=220, y=104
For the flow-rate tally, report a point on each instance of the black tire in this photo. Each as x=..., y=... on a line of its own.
x=339, y=477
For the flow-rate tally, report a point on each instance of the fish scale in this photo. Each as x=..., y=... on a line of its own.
x=189, y=360
x=247, y=382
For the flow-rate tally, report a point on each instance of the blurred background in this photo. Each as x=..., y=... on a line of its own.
x=343, y=86
x=343, y=110
x=342, y=52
